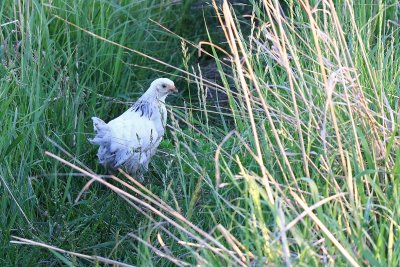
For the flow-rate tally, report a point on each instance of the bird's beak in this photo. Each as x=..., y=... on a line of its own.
x=174, y=89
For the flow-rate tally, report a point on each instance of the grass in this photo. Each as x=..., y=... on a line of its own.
x=300, y=167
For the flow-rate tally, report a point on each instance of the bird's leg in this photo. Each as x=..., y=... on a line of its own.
x=140, y=177
x=145, y=167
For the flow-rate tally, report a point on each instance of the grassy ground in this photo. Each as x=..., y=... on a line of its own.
x=300, y=167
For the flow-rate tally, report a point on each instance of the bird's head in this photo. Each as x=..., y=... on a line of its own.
x=162, y=87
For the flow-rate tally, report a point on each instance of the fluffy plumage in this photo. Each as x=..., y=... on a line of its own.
x=130, y=140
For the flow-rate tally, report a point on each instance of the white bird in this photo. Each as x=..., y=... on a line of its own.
x=130, y=140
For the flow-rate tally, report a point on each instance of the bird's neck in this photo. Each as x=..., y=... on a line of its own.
x=151, y=96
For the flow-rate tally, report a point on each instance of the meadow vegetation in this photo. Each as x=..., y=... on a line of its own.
x=298, y=165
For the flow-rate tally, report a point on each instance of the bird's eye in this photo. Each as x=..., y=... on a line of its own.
x=163, y=86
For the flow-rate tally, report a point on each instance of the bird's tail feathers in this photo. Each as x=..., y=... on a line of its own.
x=102, y=131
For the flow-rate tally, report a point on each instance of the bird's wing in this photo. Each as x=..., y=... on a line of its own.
x=132, y=136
